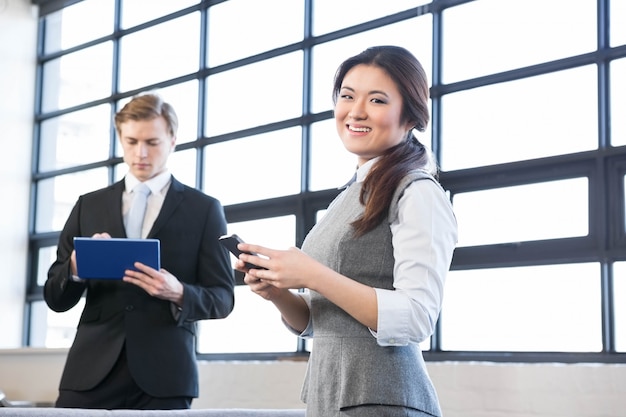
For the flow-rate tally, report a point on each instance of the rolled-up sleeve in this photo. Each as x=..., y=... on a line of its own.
x=424, y=237
x=308, y=331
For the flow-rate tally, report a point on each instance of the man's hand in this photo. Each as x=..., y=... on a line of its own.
x=74, y=269
x=160, y=284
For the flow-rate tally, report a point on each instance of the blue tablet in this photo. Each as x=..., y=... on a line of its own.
x=109, y=258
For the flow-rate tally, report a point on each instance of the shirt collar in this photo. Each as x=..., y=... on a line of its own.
x=361, y=173
x=363, y=170
x=156, y=184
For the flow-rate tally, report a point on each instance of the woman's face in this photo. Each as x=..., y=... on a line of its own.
x=367, y=112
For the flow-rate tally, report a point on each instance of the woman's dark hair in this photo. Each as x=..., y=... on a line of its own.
x=410, y=79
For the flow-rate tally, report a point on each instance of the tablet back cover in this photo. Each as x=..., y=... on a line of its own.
x=109, y=258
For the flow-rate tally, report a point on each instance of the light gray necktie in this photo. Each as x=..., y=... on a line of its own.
x=137, y=211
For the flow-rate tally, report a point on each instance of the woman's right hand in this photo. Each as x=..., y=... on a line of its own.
x=291, y=305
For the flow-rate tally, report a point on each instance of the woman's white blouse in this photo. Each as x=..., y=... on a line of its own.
x=424, y=236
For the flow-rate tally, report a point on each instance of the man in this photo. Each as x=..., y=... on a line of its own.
x=135, y=342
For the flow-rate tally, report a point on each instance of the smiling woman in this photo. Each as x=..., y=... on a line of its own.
x=373, y=267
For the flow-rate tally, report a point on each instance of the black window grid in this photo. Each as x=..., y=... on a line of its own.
x=604, y=168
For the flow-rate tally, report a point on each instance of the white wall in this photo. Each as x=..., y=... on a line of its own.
x=18, y=29
x=465, y=389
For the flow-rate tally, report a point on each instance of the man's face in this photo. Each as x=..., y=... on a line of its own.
x=147, y=144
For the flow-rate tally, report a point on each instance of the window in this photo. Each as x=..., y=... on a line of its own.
x=522, y=119
x=526, y=124
x=529, y=308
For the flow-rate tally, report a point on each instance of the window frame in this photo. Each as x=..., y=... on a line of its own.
x=604, y=168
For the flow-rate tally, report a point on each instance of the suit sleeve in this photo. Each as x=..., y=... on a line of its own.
x=60, y=292
x=211, y=294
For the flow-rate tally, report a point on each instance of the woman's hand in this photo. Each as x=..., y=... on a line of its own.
x=293, y=269
x=264, y=289
x=284, y=269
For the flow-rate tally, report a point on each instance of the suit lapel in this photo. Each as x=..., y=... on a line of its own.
x=173, y=198
x=113, y=205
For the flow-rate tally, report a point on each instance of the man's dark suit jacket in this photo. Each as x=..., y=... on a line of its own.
x=160, y=349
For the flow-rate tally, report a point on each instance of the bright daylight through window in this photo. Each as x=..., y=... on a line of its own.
x=527, y=126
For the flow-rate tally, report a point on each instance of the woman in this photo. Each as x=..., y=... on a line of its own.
x=374, y=266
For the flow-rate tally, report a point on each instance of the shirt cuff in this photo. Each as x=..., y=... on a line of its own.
x=76, y=278
x=393, y=318
x=175, y=309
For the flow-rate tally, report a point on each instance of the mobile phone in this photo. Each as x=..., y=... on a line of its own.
x=230, y=242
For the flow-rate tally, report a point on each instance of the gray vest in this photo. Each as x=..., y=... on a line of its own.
x=347, y=367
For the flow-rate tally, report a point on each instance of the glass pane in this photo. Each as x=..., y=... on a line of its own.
x=530, y=118
x=182, y=165
x=54, y=330
x=331, y=15
x=79, y=23
x=46, y=257
x=619, y=305
x=255, y=324
x=184, y=98
x=226, y=43
x=135, y=12
x=119, y=171
x=61, y=193
x=503, y=215
x=251, y=168
x=624, y=193
x=236, y=99
x=75, y=138
x=618, y=102
x=618, y=22
x=77, y=78
x=485, y=37
x=538, y=308
x=274, y=232
x=331, y=164
x=413, y=34
x=119, y=152
x=154, y=54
